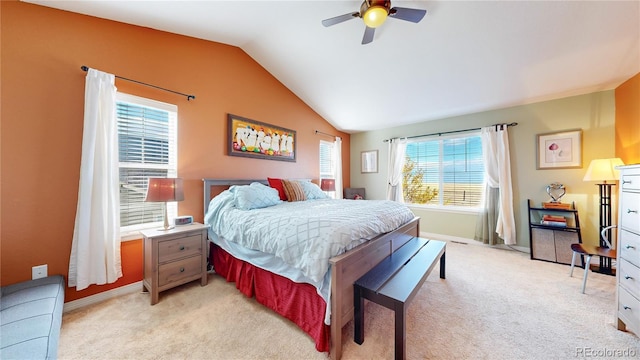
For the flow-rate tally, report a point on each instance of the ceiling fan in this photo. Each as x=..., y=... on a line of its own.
x=374, y=13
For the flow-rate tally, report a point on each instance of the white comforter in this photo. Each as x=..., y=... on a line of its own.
x=305, y=234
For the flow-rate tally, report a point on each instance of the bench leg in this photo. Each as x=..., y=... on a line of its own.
x=358, y=316
x=442, y=264
x=401, y=341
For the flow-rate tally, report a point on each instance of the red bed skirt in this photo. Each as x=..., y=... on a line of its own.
x=298, y=302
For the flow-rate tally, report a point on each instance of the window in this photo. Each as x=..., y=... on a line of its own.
x=447, y=171
x=147, y=142
x=326, y=160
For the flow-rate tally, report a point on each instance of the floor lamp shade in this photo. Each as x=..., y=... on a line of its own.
x=164, y=190
x=603, y=170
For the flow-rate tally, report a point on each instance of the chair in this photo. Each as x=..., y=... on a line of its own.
x=352, y=193
x=589, y=251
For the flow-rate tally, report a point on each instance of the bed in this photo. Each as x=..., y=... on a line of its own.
x=316, y=292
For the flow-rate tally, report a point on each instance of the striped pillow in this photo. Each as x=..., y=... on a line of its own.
x=293, y=190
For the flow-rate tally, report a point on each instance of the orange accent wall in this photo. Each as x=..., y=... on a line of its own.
x=628, y=120
x=42, y=87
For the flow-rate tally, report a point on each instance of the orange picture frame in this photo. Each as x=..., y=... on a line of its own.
x=255, y=139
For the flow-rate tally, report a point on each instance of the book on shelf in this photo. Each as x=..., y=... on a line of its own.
x=557, y=205
x=556, y=218
x=554, y=223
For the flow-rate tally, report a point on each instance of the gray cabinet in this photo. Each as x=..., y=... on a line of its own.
x=551, y=240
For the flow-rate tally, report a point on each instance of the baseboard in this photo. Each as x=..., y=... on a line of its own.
x=442, y=237
x=471, y=241
x=105, y=295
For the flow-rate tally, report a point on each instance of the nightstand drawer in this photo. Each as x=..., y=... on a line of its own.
x=179, y=248
x=630, y=277
x=630, y=247
x=179, y=270
x=630, y=211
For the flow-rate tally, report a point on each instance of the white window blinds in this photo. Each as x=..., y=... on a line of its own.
x=326, y=160
x=147, y=139
x=445, y=171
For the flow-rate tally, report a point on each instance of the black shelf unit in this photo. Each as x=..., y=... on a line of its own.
x=553, y=243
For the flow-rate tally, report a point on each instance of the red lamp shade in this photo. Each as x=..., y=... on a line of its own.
x=328, y=185
x=163, y=190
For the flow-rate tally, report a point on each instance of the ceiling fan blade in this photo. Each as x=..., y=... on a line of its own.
x=413, y=15
x=339, y=19
x=368, y=35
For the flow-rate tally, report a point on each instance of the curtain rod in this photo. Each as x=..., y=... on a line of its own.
x=189, y=97
x=450, y=132
x=323, y=133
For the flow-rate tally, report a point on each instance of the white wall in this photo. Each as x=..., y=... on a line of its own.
x=593, y=113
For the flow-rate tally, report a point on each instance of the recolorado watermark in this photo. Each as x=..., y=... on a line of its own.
x=589, y=352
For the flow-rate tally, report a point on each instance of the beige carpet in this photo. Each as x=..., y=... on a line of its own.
x=494, y=304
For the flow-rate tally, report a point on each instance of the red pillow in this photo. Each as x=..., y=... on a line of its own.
x=277, y=184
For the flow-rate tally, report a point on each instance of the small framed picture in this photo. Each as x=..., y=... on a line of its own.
x=369, y=161
x=559, y=150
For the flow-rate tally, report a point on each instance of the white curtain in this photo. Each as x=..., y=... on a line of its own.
x=397, y=149
x=95, y=251
x=496, y=218
x=337, y=172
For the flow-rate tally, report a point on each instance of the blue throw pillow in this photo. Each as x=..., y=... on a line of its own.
x=255, y=196
x=312, y=191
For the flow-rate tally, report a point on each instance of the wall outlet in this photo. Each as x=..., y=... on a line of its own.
x=39, y=271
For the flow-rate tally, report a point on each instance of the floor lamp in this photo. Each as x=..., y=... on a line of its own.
x=604, y=170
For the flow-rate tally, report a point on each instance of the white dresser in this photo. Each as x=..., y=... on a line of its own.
x=628, y=267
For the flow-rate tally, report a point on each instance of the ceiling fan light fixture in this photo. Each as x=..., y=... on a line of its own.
x=375, y=16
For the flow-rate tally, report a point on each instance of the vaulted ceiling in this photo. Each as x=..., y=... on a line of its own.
x=463, y=57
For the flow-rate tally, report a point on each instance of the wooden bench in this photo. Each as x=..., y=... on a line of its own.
x=394, y=282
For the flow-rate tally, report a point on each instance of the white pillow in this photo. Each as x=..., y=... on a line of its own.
x=312, y=191
x=255, y=196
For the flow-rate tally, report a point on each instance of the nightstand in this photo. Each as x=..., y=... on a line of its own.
x=174, y=257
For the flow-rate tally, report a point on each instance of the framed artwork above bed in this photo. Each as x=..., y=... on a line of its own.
x=255, y=139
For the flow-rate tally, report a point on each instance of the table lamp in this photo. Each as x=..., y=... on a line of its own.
x=604, y=170
x=164, y=190
x=328, y=185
